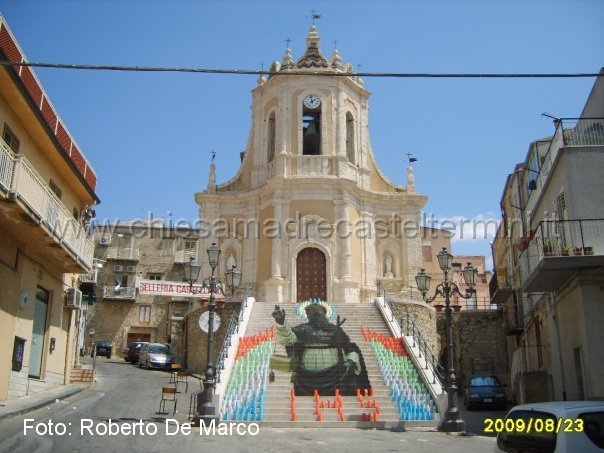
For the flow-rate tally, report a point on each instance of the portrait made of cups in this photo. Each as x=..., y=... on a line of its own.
x=322, y=356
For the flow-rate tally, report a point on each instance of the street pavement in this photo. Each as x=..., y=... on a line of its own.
x=120, y=414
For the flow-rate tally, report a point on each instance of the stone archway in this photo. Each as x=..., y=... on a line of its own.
x=311, y=274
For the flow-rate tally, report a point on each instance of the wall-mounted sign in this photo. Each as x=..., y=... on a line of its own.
x=18, y=351
x=164, y=288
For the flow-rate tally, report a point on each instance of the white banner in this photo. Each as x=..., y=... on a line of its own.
x=162, y=288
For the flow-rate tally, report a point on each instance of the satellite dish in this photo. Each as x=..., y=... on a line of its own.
x=23, y=299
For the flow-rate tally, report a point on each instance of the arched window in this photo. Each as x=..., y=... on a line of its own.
x=311, y=126
x=271, y=137
x=350, y=137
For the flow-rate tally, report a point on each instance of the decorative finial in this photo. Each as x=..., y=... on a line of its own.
x=212, y=176
x=287, y=41
x=410, y=176
x=261, y=78
x=315, y=15
x=359, y=79
x=335, y=44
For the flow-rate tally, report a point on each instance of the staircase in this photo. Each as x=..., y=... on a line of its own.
x=276, y=406
x=82, y=375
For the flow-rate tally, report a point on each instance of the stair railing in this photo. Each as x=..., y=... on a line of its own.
x=232, y=328
x=415, y=343
x=229, y=343
x=412, y=330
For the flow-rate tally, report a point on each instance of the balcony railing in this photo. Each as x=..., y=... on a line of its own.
x=579, y=243
x=128, y=293
x=20, y=180
x=513, y=321
x=569, y=133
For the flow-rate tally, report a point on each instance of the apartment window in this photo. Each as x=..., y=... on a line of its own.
x=121, y=280
x=190, y=246
x=155, y=276
x=10, y=138
x=166, y=247
x=144, y=313
x=56, y=189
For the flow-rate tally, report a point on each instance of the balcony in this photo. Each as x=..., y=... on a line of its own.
x=127, y=293
x=126, y=253
x=569, y=133
x=47, y=217
x=500, y=289
x=513, y=320
x=559, y=250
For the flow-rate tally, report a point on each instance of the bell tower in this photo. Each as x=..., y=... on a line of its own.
x=301, y=111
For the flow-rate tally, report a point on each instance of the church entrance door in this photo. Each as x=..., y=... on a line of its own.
x=311, y=274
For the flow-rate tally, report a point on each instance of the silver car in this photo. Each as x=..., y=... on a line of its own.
x=556, y=426
x=155, y=355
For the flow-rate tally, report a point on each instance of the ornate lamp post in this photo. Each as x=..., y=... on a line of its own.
x=453, y=421
x=205, y=405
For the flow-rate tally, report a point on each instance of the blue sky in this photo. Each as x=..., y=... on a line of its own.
x=149, y=135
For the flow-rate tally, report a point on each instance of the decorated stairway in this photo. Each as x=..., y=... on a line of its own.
x=396, y=396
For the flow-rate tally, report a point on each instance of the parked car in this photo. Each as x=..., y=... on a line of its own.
x=486, y=391
x=103, y=348
x=132, y=352
x=556, y=426
x=155, y=355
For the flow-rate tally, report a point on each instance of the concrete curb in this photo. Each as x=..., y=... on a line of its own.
x=25, y=404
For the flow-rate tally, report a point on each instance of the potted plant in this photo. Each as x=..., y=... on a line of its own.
x=456, y=307
x=565, y=251
x=548, y=248
x=577, y=251
x=588, y=250
x=439, y=307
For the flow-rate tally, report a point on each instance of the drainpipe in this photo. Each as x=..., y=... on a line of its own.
x=552, y=301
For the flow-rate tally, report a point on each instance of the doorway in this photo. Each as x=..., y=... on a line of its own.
x=311, y=279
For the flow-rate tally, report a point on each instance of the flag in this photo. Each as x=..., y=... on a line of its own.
x=412, y=159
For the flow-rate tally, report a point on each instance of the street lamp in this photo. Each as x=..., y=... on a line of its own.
x=205, y=405
x=453, y=421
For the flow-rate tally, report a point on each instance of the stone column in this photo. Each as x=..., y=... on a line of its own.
x=344, y=289
x=369, y=255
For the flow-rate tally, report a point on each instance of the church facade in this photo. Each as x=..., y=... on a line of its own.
x=309, y=214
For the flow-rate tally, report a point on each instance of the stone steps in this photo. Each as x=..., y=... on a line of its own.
x=82, y=375
x=277, y=402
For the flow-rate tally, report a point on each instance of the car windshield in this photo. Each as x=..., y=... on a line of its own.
x=158, y=349
x=485, y=381
x=538, y=439
x=593, y=423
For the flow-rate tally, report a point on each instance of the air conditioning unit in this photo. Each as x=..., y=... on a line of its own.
x=105, y=240
x=73, y=298
x=131, y=269
x=118, y=268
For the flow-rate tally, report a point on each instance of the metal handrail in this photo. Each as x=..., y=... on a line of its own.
x=413, y=331
x=232, y=328
x=438, y=371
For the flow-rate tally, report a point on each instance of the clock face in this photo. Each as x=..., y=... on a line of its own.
x=204, y=322
x=312, y=101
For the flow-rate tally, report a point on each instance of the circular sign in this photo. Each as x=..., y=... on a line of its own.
x=23, y=299
x=91, y=331
x=204, y=322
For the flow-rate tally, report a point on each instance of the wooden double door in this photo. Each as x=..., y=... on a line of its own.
x=311, y=278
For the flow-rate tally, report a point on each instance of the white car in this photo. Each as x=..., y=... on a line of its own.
x=556, y=426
